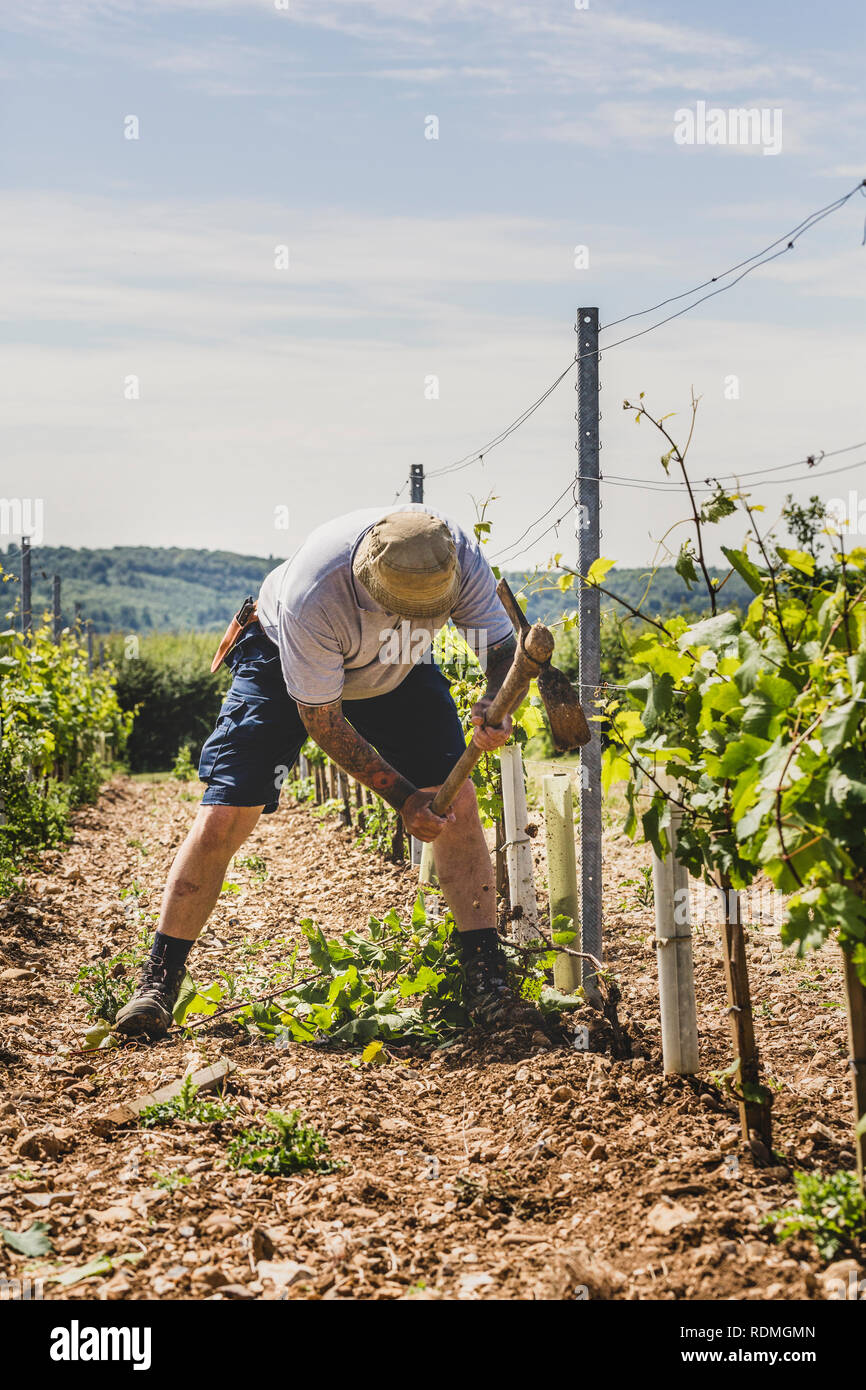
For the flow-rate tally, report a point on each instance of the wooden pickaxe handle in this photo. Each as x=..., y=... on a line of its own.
x=535, y=647
x=565, y=716
x=519, y=620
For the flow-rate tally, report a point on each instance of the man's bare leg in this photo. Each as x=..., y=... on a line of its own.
x=193, y=886
x=464, y=867
x=197, y=875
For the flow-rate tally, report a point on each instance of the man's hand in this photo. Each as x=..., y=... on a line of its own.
x=485, y=736
x=418, y=818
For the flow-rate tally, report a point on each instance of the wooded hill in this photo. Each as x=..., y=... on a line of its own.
x=155, y=589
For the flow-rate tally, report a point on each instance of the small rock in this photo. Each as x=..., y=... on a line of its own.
x=11, y=975
x=597, y=1153
x=282, y=1273
x=219, y=1225
x=235, y=1291
x=562, y=1095
x=47, y=1199
x=73, y=1245
x=262, y=1245
x=336, y=1246
x=115, y=1216
x=707, y=1255
x=211, y=1275
x=760, y=1152
x=811, y=1084
x=540, y=1040
x=470, y=1283
x=818, y=1131
x=44, y=1143
x=116, y=1287
x=664, y=1218
x=102, y=1126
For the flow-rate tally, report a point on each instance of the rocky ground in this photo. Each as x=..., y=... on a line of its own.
x=490, y=1169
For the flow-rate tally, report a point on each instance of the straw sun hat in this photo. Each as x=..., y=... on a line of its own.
x=408, y=563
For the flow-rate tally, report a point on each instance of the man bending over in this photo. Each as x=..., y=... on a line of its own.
x=318, y=658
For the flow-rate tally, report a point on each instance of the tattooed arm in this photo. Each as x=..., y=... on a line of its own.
x=499, y=659
x=328, y=728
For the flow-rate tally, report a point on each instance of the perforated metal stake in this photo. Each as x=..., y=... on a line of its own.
x=26, y=599
x=589, y=618
x=57, y=621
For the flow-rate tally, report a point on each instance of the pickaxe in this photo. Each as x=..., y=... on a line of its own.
x=531, y=661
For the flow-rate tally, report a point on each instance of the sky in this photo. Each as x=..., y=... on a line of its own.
x=261, y=256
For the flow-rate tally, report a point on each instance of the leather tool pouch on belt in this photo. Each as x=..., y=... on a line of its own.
x=246, y=614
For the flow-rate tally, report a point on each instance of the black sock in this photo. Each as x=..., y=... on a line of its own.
x=470, y=942
x=170, y=951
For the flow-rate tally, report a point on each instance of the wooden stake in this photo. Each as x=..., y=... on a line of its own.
x=502, y=892
x=343, y=791
x=855, y=995
x=398, y=843
x=562, y=872
x=205, y=1080
x=755, y=1112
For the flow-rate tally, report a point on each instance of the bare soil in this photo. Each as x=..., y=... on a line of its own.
x=497, y=1168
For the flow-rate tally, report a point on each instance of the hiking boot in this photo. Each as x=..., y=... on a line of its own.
x=488, y=994
x=149, y=1011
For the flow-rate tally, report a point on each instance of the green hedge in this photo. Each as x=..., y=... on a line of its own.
x=166, y=681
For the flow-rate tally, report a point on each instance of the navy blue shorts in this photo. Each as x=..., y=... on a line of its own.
x=259, y=733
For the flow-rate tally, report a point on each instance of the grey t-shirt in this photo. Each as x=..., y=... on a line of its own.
x=335, y=640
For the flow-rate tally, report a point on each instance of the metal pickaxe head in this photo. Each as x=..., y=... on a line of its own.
x=567, y=720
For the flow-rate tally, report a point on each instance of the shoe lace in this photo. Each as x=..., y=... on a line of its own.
x=486, y=971
x=159, y=978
